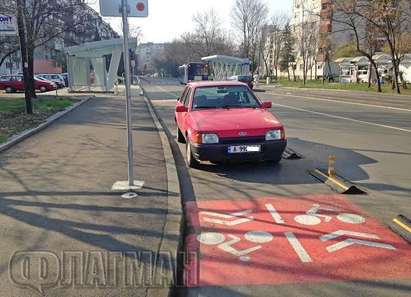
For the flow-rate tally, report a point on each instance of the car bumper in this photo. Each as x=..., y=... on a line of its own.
x=270, y=150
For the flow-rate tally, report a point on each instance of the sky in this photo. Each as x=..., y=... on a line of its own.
x=168, y=19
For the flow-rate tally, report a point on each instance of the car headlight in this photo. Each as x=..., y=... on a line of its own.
x=209, y=138
x=273, y=135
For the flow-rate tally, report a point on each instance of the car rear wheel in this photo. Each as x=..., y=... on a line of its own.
x=9, y=90
x=191, y=161
x=43, y=89
x=180, y=136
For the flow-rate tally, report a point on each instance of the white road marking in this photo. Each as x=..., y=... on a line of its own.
x=345, y=232
x=343, y=118
x=274, y=213
x=308, y=220
x=345, y=102
x=258, y=236
x=351, y=241
x=298, y=248
x=211, y=238
x=236, y=218
x=351, y=218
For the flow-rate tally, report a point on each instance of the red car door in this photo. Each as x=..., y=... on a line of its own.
x=18, y=83
x=186, y=103
x=180, y=116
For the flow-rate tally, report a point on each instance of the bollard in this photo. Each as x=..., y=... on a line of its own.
x=331, y=165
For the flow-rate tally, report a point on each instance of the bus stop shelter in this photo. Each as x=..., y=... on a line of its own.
x=223, y=67
x=94, y=66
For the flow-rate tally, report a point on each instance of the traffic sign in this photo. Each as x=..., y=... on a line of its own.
x=111, y=8
x=272, y=241
x=8, y=25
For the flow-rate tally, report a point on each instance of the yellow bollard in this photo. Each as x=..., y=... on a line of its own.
x=331, y=165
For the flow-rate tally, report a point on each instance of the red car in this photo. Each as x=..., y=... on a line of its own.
x=222, y=121
x=15, y=83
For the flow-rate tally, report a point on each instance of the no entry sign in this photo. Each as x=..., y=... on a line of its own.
x=291, y=240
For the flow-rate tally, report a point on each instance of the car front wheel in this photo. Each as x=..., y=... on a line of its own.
x=191, y=161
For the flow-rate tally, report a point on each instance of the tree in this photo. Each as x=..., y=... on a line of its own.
x=364, y=32
x=272, y=40
x=248, y=18
x=287, y=49
x=39, y=22
x=387, y=18
x=346, y=50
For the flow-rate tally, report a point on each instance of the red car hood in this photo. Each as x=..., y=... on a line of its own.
x=229, y=122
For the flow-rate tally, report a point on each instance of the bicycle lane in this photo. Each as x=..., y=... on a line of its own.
x=257, y=230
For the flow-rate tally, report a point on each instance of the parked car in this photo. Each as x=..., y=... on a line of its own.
x=224, y=120
x=65, y=77
x=58, y=79
x=247, y=79
x=15, y=83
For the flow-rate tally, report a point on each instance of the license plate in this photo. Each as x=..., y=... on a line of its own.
x=239, y=149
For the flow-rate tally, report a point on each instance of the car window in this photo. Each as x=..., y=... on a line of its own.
x=4, y=78
x=224, y=97
x=187, y=98
x=18, y=78
x=181, y=99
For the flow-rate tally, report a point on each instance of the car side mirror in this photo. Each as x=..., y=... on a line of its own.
x=267, y=105
x=181, y=108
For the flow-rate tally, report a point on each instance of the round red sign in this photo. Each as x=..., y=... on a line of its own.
x=140, y=6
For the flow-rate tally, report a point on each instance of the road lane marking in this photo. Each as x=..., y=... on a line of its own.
x=344, y=102
x=343, y=118
x=339, y=233
x=350, y=241
x=298, y=248
x=275, y=215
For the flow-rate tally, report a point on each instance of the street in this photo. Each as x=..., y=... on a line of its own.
x=369, y=135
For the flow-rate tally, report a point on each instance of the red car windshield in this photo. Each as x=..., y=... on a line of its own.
x=224, y=97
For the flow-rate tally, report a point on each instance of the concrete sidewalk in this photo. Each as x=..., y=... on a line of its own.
x=78, y=238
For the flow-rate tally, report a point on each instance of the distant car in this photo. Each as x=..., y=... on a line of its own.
x=224, y=120
x=65, y=77
x=15, y=83
x=58, y=79
x=247, y=79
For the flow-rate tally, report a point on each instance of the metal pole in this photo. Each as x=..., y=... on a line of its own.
x=126, y=59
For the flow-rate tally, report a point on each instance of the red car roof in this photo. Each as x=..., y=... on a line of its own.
x=210, y=83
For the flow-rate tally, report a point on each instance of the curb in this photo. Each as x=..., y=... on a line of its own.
x=28, y=133
x=402, y=226
x=337, y=183
x=174, y=220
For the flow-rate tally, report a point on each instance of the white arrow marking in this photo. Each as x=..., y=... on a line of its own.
x=345, y=232
x=298, y=248
x=350, y=241
x=236, y=215
x=274, y=213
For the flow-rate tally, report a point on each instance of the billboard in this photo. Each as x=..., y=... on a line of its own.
x=111, y=8
x=8, y=25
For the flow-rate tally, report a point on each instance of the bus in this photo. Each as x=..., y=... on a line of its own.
x=193, y=72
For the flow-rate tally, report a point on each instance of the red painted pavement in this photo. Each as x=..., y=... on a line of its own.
x=234, y=254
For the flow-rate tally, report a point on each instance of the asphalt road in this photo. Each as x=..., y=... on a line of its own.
x=370, y=135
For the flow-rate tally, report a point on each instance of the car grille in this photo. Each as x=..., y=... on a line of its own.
x=242, y=140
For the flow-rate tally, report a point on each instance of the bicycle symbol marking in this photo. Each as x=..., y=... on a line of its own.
x=312, y=217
